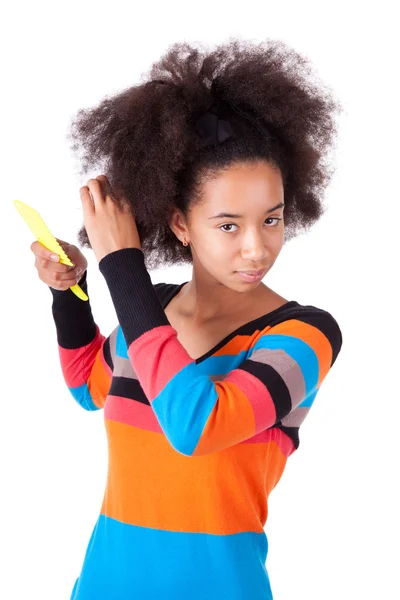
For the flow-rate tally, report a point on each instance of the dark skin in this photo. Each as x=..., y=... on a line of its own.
x=110, y=227
x=225, y=245
x=220, y=246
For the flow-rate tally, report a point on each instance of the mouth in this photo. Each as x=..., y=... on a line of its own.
x=252, y=276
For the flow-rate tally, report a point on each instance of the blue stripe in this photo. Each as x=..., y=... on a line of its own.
x=183, y=407
x=224, y=363
x=125, y=561
x=83, y=397
x=121, y=348
x=173, y=410
x=185, y=403
x=299, y=351
x=309, y=401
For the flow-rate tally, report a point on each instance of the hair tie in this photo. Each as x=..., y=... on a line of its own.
x=213, y=126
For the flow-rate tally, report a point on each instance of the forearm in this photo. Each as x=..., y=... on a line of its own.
x=280, y=372
x=84, y=352
x=73, y=317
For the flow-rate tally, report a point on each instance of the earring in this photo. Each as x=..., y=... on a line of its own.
x=185, y=243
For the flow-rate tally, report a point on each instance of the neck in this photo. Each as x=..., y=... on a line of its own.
x=204, y=302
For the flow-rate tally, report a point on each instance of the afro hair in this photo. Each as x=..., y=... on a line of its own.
x=145, y=141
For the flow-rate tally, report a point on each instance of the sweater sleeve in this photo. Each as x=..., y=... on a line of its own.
x=85, y=353
x=283, y=371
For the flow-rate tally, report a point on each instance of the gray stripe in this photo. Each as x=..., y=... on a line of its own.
x=296, y=417
x=287, y=368
x=124, y=368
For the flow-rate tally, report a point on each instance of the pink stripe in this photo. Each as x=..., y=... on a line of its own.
x=146, y=352
x=77, y=363
x=131, y=412
x=257, y=395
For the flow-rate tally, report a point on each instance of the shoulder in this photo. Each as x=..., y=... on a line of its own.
x=165, y=290
x=307, y=321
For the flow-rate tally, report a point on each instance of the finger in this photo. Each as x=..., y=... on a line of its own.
x=126, y=208
x=66, y=276
x=105, y=185
x=46, y=258
x=96, y=192
x=49, y=265
x=62, y=243
x=65, y=246
x=52, y=266
x=62, y=284
x=42, y=252
x=88, y=206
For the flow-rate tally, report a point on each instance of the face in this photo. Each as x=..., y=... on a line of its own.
x=250, y=239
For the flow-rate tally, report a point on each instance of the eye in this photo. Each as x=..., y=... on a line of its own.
x=276, y=219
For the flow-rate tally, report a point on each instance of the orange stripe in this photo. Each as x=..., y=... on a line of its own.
x=238, y=344
x=313, y=337
x=151, y=485
x=231, y=414
x=99, y=381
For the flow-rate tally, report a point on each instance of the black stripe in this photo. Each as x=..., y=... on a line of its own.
x=128, y=388
x=107, y=353
x=135, y=300
x=274, y=384
x=166, y=291
x=73, y=317
x=292, y=432
x=322, y=320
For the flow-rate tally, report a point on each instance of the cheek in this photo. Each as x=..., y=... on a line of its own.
x=276, y=242
x=214, y=241
x=219, y=250
x=216, y=249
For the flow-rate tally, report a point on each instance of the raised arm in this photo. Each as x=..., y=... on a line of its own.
x=284, y=370
x=86, y=355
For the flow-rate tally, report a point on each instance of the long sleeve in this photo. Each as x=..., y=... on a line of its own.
x=282, y=373
x=85, y=353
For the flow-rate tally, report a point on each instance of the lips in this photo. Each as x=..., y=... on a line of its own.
x=255, y=273
x=252, y=276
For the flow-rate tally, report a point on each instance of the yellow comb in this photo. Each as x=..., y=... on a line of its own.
x=39, y=228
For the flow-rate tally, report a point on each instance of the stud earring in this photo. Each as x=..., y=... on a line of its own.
x=185, y=243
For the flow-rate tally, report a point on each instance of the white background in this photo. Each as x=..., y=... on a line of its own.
x=333, y=525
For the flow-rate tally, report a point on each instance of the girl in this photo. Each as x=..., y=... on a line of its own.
x=215, y=160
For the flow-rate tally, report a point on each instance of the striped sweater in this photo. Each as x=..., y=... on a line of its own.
x=195, y=446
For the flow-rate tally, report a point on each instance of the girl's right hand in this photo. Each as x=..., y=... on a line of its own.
x=55, y=274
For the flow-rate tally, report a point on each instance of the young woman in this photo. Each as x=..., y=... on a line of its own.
x=215, y=160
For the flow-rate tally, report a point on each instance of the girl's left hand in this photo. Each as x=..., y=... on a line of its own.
x=109, y=226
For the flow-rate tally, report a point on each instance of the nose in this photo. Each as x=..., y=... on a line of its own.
x=254, y=249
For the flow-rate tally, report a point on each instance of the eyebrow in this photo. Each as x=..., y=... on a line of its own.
x=226, y=215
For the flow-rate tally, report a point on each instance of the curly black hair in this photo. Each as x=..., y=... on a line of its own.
x=144, y=138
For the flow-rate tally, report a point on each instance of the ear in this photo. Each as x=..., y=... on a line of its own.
x=176, y=221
